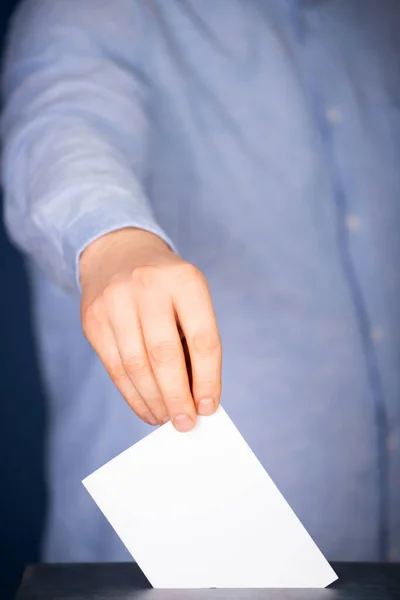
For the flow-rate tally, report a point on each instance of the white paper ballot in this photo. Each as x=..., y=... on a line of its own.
x=198, y=510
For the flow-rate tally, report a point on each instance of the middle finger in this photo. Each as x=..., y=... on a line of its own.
x=164, y=348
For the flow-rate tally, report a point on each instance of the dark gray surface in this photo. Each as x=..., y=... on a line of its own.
x=126, y=582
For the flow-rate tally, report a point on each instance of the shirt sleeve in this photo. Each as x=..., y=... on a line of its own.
x=74, y=130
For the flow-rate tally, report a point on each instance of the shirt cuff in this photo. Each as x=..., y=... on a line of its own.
x=97, y=223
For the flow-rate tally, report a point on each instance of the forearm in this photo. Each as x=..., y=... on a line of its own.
x=72, y=160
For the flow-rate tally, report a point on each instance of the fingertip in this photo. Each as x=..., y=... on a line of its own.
x=151, y=419
x=183, y=423
x=206, y=407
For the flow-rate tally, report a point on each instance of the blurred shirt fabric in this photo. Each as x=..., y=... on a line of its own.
x=261, y=139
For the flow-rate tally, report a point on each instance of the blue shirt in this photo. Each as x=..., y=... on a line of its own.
x=261, y=139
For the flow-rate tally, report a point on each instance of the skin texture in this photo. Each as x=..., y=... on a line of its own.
x=149, y=316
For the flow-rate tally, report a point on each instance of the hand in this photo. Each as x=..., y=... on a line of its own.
x=141, y=304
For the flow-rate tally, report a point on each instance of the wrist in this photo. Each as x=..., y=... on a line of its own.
x=129, y=239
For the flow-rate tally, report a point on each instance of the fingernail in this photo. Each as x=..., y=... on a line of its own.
x=151, y=419
x=206, y=406
x=183, y=423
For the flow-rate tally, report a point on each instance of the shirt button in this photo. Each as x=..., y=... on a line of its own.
x=352, y=222
x=392, y=442
x=333, y=115
x=376, y=334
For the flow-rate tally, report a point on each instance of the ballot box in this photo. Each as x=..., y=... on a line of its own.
x=115, y=581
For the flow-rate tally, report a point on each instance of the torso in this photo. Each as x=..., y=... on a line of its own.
x=272, y=162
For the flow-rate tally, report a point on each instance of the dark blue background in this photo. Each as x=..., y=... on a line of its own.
x=22, y=415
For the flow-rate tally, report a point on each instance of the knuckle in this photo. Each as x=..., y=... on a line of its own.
x=175, y=402
x=90, y=315
x=135, y=365
x=164, y=352
x=206, y=344
x=117, y=372
x=187, y=273
x=155, y=403
x=137, y=406
x=113, y=289
x=145, y=275
x=207, y=385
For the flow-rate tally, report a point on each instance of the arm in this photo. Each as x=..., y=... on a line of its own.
x=73, y=129
x=74, y=132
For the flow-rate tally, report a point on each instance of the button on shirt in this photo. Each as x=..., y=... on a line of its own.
x=262, y=141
